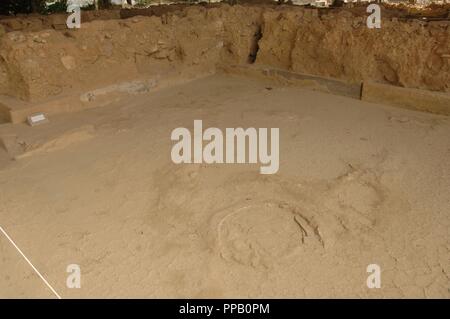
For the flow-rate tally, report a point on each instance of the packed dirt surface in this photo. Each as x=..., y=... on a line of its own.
x=192, y=41
x=358, y=184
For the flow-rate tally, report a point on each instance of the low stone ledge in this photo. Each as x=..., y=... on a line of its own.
x=414, y=99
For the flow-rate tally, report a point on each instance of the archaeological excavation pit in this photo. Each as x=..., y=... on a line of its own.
x=225, y=151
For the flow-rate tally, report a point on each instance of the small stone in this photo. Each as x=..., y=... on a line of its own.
x=16, y=36
x=39, y=40
x=153, y=49
x=68, y=62
x=14, y=24
x=44, y=34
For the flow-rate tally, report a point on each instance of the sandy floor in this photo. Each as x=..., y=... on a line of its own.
x=358, y=184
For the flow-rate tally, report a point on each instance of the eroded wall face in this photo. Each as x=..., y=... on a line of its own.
x=47, y=63
x=38, y=65
x=410, y=54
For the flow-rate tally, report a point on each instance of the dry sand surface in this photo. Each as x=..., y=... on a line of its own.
x=358, y=184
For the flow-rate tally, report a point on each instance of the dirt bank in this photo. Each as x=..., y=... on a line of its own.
x=37, y=65
x=193, y=40
x=411, y=53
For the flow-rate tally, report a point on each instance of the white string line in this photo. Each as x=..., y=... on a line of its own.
x=29, y=262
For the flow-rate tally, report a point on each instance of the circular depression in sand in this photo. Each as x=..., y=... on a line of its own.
x=258, y=234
